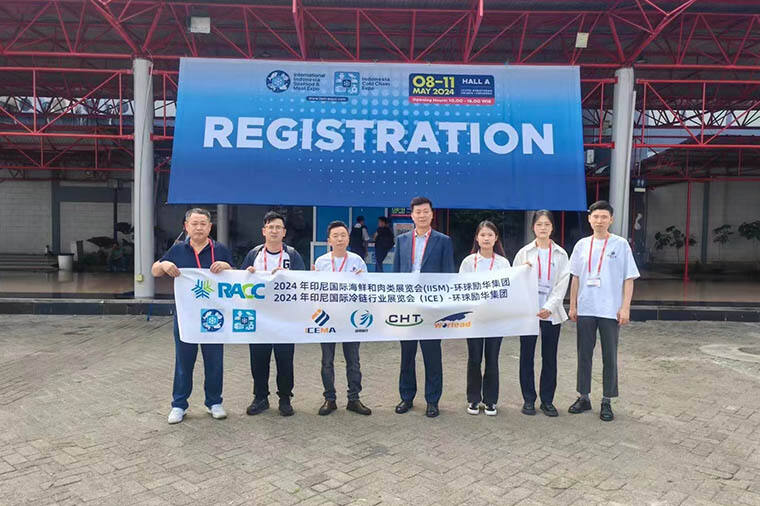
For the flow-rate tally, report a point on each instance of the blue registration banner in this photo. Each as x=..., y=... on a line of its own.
x=359, y=134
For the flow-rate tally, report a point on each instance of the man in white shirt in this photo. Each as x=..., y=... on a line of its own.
x=341, y=260
x=603, y=271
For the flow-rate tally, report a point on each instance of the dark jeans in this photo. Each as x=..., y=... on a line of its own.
x=353, y=370
x=431, y=355
x=608, y=335
x=380, y=255
x=184, y=362
x=483, y=387
x=549, y=342
x=261, y=356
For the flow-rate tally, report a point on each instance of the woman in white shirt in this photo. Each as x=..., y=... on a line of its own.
x=553, y=267
x=487, y=254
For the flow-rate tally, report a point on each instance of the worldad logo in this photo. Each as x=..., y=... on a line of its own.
x=454, y=321
x=362, y=320
x=242, y=290
x=404, y=320
x=320, y=317
x=202, y=289
x=212, y=320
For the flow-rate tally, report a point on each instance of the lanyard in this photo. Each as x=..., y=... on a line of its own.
x=601, y=257
x=549, y=273
x=279, y=263
x=198, y=260
x=414, y=240
x=493, y=257
x=343, y=264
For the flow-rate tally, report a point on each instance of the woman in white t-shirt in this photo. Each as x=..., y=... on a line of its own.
x=553, y=267
x=487, y=254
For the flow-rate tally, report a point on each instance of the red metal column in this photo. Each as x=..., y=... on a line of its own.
x=688, y=231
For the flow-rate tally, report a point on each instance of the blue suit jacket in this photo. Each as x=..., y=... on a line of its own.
x=438, y=257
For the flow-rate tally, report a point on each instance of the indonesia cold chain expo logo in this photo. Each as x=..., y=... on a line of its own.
x=243, y=320
x=321, y=318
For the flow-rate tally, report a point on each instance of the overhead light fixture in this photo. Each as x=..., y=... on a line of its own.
x=199, y=24
x=581, y=40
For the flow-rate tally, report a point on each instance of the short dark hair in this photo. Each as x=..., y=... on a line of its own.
x=197, y=210
x=273, y=215
x=335, y=224
x=601, y=205
x=419, y=201
x=383, y=219
x=360, y=219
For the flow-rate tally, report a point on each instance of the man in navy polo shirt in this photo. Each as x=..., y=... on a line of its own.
x=199, y=251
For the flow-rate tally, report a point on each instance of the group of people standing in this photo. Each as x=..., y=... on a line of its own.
x=601, y=266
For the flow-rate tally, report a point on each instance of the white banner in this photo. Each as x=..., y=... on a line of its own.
x=312, y=307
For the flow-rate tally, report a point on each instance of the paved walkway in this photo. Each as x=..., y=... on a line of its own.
x=84, y=403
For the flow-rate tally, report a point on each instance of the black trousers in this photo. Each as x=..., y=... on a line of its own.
x=380, y=255
x=483, y=386
x=608, y=336
x=431, y=355
x=261, y=356
x=549, y=342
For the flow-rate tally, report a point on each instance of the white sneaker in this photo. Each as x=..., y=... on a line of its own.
x=217, y=412
x=473, y=408
x=490, y=409
x=176, y=415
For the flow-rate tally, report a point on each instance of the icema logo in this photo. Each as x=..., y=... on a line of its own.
x=454, y=321
x=361, y=320
x=404, y=320
x=320, y=317
x=202, y=289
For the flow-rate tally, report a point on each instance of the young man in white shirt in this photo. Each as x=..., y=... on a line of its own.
x=603, y=271
x=272, y=256
x=341, y=260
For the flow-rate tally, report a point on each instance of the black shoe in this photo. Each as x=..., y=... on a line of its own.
x=285, y=408
x=258, y=406
x=328, y=407
x=549, y=409
x=403, y=407
x=579, y=406
x=606, y=414
x=529, y=408
x=431, y=411
x=357, y=407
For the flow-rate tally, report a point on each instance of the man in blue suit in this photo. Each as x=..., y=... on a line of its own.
x=422, y=250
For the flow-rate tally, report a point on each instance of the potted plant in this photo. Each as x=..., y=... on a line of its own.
x=721, y=236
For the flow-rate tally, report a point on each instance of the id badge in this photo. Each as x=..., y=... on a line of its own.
x=544, y=288
x=595, y=281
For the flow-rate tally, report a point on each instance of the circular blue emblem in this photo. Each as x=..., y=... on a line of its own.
x=278, y=81
x=212, y=320
x=363, y=320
